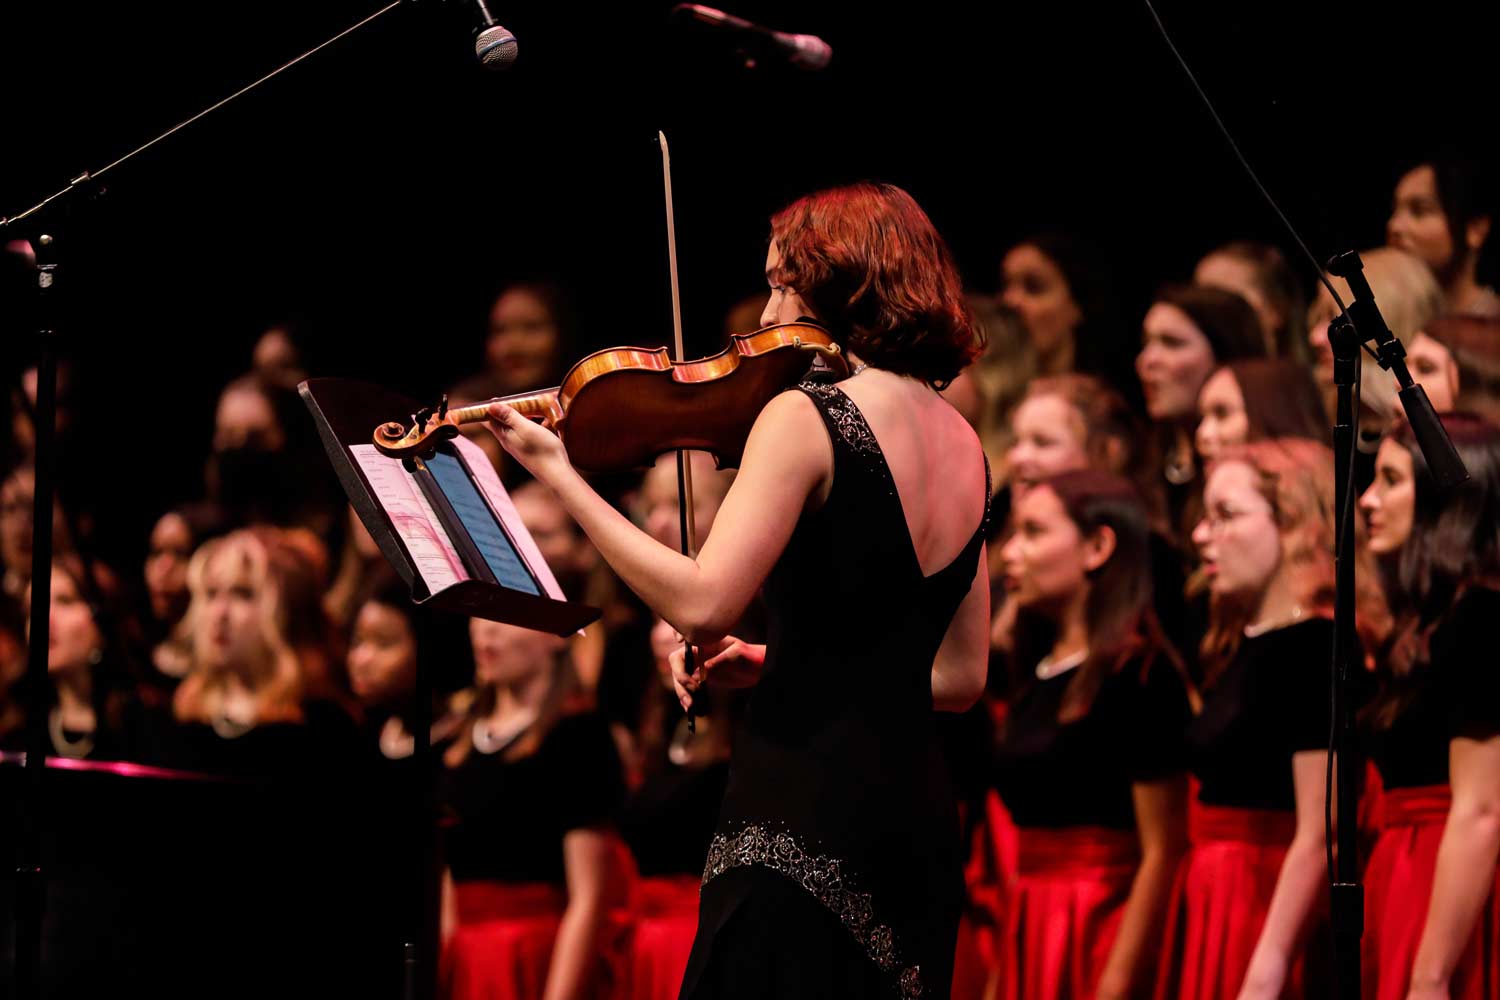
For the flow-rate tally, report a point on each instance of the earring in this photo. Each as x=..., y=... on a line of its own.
x=96, y=656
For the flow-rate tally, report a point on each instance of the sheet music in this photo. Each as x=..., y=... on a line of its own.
x=505, y=511
x=416, y=523
x=478, y=520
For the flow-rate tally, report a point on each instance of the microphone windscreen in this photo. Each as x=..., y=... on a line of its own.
x=809, y=51
x=495, y=47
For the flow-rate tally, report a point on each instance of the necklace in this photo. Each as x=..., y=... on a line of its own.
x=235, y=714
x=1261, y=628
x=229, y=727
x=1179, y=468
x=1049, y=667
x=395, y=742
x=489, y=738
x=75, y=749
x=857, y=369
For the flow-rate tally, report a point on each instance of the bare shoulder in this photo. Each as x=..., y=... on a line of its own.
x=792, y=407
x=955, y=455
x=789, y=420
x=788, y=444
x=959, y=435
x=789, y=428
x=958, y=425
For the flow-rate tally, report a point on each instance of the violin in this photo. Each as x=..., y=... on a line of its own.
x=620, y=408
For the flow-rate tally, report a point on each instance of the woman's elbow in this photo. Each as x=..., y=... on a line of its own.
x=587, y=910
x=1312, y=844
x=705, y=619
x=952, y=703
x=1479, y=819
x=1166, y=851
x=704, y=630
x=957, y=696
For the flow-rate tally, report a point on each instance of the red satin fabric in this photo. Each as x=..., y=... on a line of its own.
x=665, y=912
x=502, y=945
x=1062, y=916
x=1398, y=887
x=990, y=875
x=1219, y=902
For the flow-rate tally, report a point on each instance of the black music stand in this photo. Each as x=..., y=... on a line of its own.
x=346, y=414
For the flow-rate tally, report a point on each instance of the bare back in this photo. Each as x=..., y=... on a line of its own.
x=934, y=457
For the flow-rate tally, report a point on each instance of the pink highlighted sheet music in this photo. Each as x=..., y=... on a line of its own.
x=423, y=534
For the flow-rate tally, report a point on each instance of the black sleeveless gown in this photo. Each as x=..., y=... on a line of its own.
x=836, y=867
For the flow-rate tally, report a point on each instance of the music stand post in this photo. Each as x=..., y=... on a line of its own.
x=424, y=927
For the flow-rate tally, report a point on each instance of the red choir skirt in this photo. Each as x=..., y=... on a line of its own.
x=1398, y=887
x=1062, y=916
x=665, y=910
x=502, y=945
x=1220, y=899
x=989, y=874
x=501, y=948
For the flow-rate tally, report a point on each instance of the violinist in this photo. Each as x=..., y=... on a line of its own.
x=835, y=868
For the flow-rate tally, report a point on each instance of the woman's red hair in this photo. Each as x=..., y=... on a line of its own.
x=869, y=263
x=1295, y=475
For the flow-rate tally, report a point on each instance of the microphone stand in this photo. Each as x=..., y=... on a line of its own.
x=31, y=886
x=1347, y=334
x=31, y=879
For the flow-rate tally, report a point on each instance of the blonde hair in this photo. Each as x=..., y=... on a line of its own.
x=1409, y=298
x=265, y=664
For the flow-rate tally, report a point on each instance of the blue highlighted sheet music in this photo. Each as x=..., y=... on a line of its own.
x=477, y=518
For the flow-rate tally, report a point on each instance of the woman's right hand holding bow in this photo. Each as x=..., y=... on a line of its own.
x=724, y=663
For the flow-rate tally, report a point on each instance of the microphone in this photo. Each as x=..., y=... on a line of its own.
x=803, y=51
x=494, y=45
x=1442, y=458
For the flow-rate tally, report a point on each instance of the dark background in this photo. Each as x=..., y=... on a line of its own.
x=381, y=192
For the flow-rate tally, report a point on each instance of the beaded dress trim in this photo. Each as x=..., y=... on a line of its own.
x=846, y=417
x=824, y=878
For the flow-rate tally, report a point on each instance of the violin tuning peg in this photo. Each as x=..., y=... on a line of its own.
x=443, y=407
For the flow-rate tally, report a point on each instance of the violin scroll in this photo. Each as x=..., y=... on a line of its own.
x=428, y=429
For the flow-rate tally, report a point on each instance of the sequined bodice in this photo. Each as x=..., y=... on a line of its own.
x=837, y=780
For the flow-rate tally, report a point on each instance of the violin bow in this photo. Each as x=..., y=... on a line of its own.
x=686, y=525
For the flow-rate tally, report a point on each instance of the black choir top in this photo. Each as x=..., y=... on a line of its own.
x=1456, y=693
x=324, y=744
x=670, y=819
x=1269, y=703
x=126, y=729
x=507, y=818
x=1052, y=775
